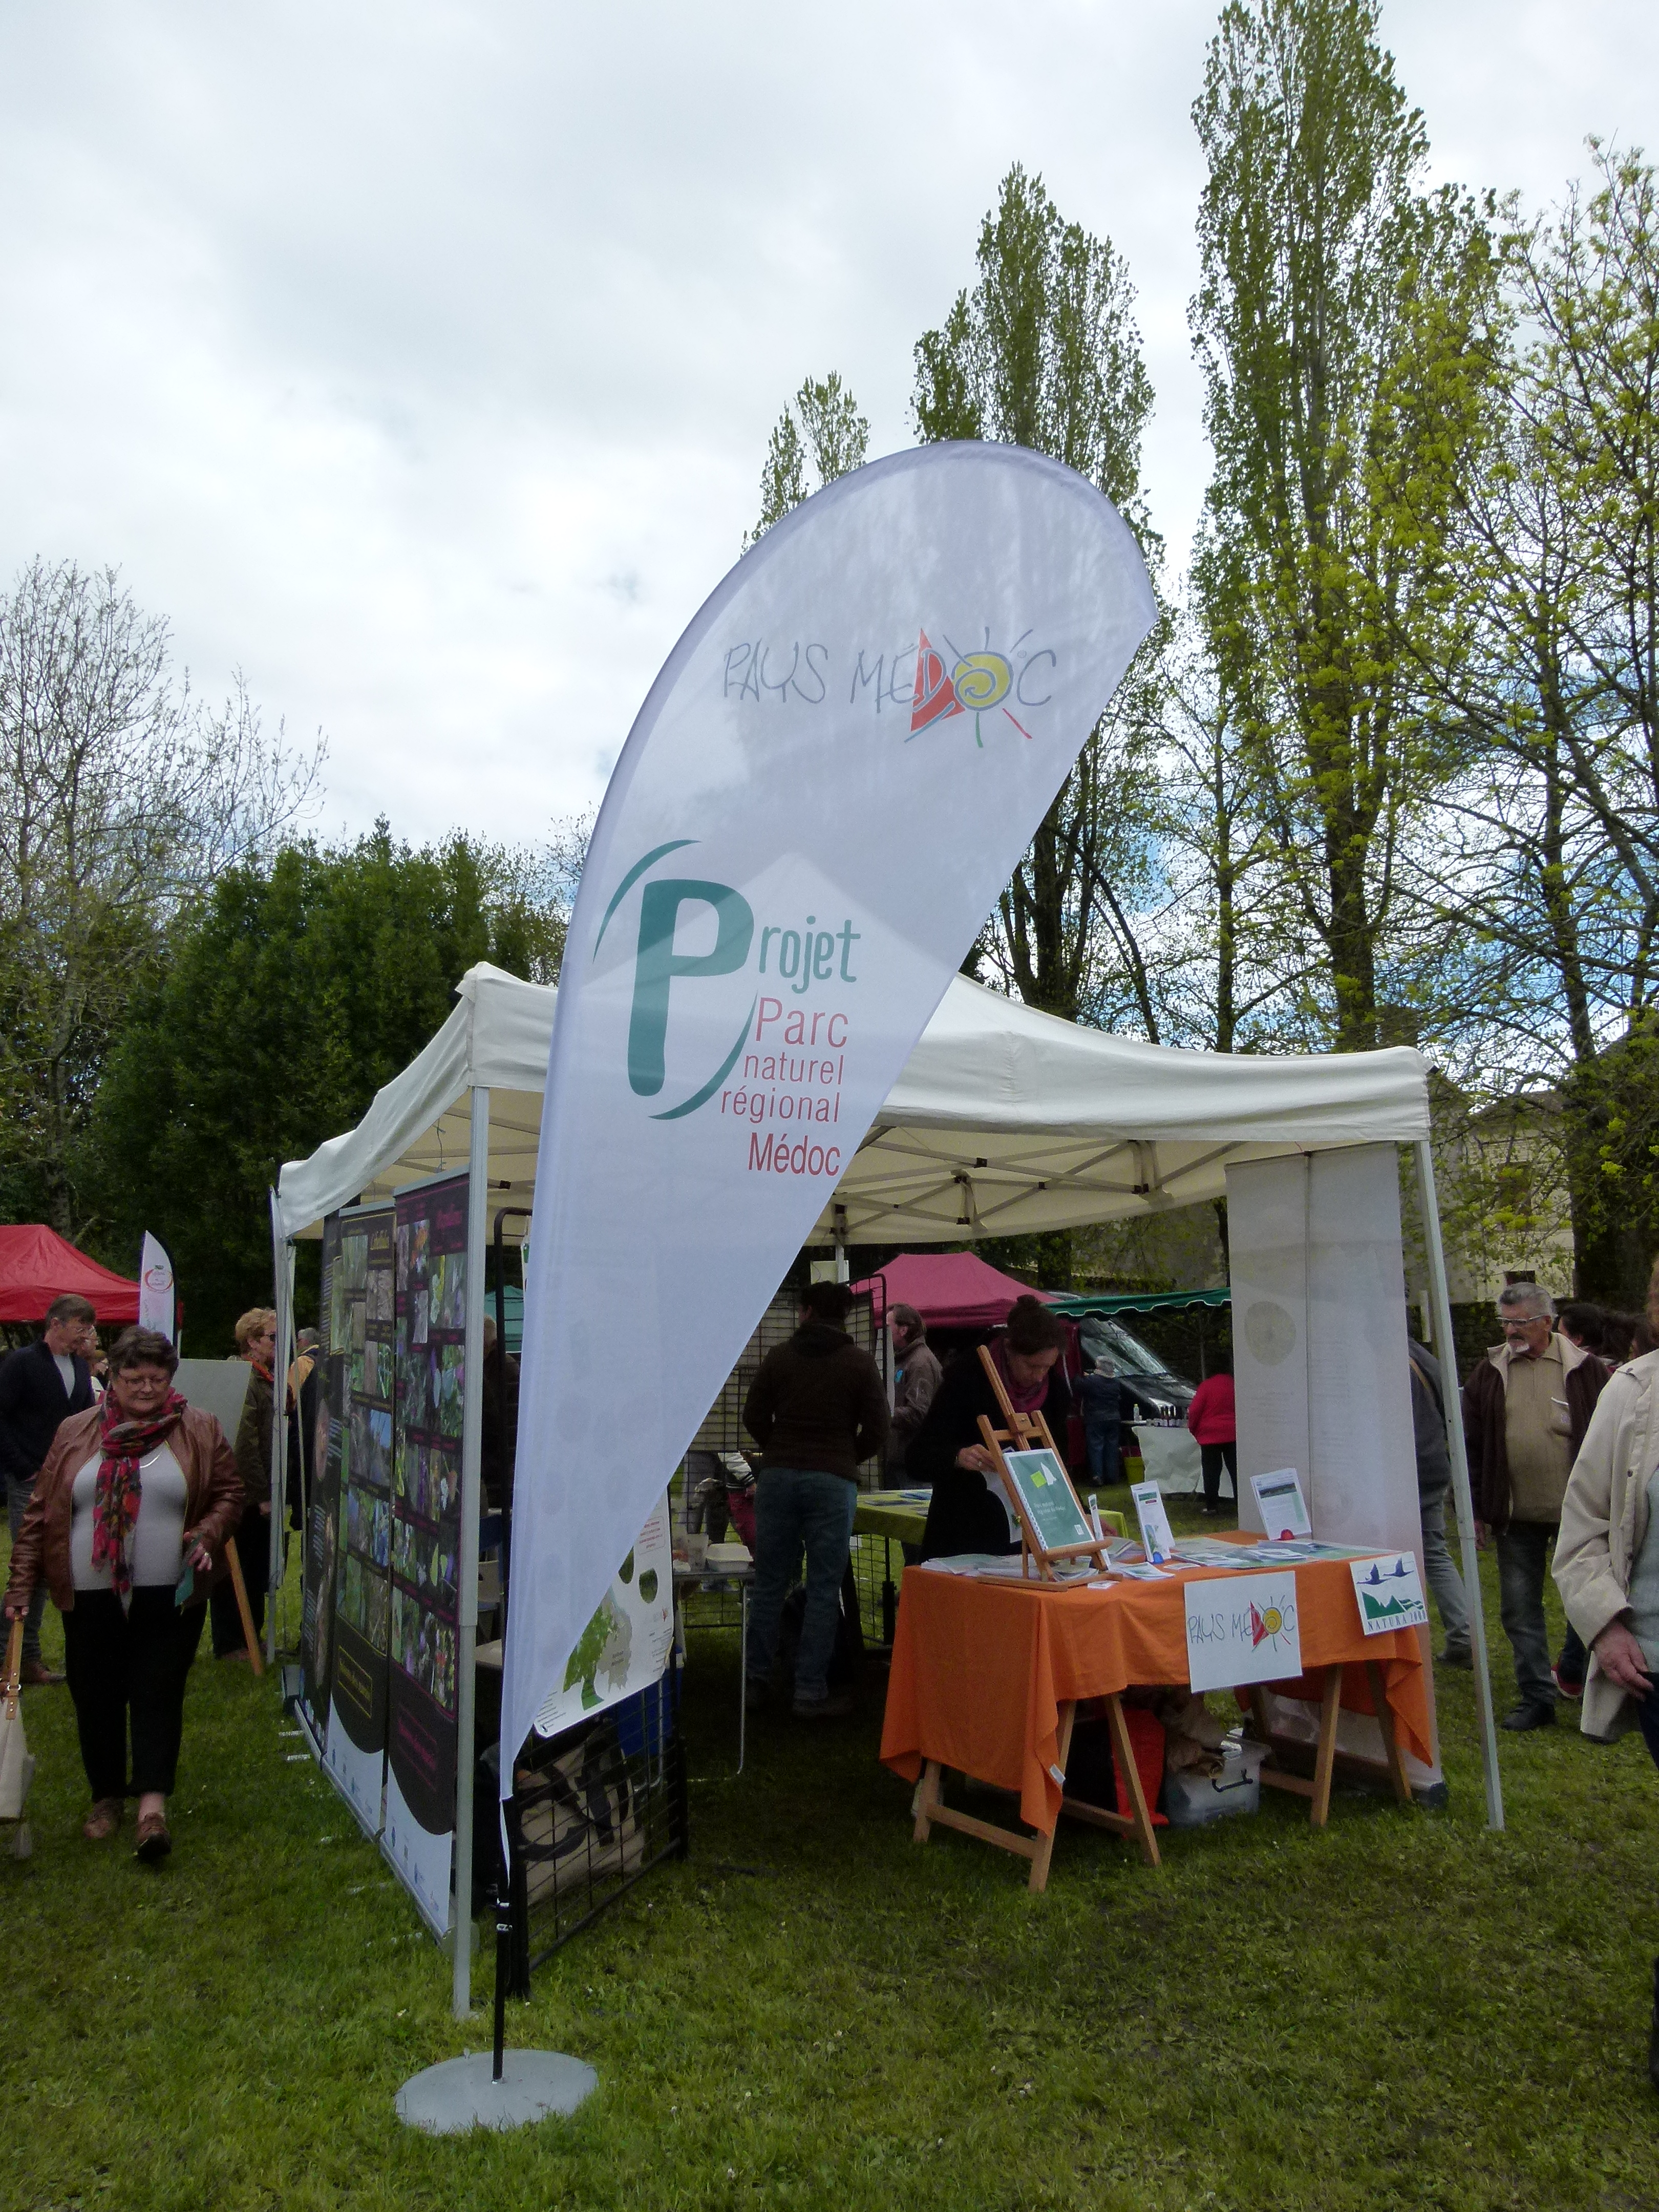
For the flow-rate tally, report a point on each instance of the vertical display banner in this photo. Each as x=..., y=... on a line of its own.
x=322, y=1517
x=426, y=1519
x=359, y=1392
x=625, y=1647
x=1321, y=1375
x=832, y=779
x=155, y=1288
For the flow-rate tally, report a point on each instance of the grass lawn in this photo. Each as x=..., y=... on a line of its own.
x=1402, y=2011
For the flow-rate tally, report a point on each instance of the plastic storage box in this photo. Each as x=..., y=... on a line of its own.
x=1192, y=1801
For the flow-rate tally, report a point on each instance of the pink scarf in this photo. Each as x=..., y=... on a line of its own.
x=1023, y=1401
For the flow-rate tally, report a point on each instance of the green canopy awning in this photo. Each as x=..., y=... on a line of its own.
x=1124, y=1302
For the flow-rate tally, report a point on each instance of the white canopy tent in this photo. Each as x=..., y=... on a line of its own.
x=1004, y=1120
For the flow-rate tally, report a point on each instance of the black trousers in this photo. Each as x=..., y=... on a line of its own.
x=1211, y=1457
x=130, y=1667
x=252, y=1536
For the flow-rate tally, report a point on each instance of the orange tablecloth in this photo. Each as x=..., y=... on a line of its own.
x=980, y=1669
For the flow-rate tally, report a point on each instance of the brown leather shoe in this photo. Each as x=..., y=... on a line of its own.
x=154, y=1842
x=34, y=1674
x=105, y=1817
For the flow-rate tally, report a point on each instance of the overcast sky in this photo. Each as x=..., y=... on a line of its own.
x=420, y=359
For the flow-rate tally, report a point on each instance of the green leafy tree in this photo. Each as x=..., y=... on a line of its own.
x=822, y=432
x=1343, y=327
x=294, y=991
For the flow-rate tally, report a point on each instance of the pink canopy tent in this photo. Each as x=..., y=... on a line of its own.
x=949, y=1290
x=37, y=1266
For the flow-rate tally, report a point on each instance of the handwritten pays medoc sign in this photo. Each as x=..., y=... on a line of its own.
x=829, y=783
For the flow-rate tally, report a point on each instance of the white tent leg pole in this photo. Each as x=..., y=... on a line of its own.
x=1445, y=1346
x=477, y=1200
x=282, y=1254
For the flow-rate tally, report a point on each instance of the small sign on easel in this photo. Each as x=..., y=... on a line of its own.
x=1278, y=1500
x=1053, y=1535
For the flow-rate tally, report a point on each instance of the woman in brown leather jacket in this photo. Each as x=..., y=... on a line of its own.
x=126, y=1528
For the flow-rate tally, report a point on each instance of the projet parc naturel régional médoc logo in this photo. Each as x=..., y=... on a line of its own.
x=781, y=1078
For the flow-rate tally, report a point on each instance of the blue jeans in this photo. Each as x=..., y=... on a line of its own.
x=18, y=1495
x=1100, y=1434
x=1523, y=1560
x=796, y=1509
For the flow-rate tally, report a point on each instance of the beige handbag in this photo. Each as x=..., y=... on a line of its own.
x=16, y=1767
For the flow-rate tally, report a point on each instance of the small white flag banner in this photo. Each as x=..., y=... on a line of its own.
x=155, y=1288
x=1241, y=1628
x=832, y=779
x=1389, y=1591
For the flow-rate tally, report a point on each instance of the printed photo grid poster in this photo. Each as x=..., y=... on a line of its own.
x=359, y=1390
x=426, y=1517
x=322, y=1522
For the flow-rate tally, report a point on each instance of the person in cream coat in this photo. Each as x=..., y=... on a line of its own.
x=1606, y=1565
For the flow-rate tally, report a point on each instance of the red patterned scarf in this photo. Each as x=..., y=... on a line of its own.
x=116, y=1490
x=1023, y=1397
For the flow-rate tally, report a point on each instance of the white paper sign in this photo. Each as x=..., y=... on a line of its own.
x=1278, y=1500
x=1157, y=1538
x=1390, y=1592
x=625, y=1647
x=1241, y=1628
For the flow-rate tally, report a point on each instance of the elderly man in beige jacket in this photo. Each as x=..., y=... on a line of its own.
x=1606, y=1564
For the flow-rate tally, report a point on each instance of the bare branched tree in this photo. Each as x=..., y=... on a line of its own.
x=121, y=798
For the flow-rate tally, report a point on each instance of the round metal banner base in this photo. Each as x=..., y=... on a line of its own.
x=459, y=2094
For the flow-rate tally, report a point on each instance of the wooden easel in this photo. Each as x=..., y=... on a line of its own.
x=1029, y=1432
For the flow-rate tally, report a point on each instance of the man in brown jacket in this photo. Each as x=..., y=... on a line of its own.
x=817, y=1408
x=1526, y=1408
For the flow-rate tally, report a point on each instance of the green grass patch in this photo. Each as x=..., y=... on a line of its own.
x=1404, y=2011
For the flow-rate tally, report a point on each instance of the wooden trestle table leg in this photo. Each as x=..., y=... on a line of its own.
x=1397, y=1775
x=1275, y=1778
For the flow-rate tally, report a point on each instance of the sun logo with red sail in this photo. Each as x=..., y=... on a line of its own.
x=975, y=683
x=1265, y=1621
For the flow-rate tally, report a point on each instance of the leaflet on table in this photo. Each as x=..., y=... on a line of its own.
x=1002, y=1567
x=1281, y=1504
x=1155, y=1532
x=1134, y=1570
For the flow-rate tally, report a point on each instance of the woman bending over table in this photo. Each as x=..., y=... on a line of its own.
x=967, y=1513
x=126, y=1528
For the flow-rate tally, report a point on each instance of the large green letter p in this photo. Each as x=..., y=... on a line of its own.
x=657, y=963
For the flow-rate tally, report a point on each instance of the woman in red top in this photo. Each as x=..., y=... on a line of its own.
x=1210, y=1418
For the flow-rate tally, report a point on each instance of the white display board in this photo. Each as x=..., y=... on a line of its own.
x=1321, y=1378
x=626, y=1645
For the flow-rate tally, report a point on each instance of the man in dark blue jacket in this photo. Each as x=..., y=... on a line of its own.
x=39, y=1387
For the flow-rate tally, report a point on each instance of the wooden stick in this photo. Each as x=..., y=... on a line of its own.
x=1045, y=1850
x=243, y=1607
x=1397, y=1775
x=14, y=1674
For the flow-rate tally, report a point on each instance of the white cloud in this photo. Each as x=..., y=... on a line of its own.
x=420, y=359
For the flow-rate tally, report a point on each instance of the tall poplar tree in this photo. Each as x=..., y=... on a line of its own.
x=1044, y=352
x=1341, y=328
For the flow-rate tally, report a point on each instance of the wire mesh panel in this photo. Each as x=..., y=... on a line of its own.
x=594, y=1810
x=723, y=1431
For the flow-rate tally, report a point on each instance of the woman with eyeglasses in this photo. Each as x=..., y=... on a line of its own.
x=126, y=1528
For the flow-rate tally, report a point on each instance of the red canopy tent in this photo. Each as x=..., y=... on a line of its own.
x=949, y=1290
x=37, y=1266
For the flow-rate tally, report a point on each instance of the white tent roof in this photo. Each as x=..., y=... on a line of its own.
x=1003, y=1121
